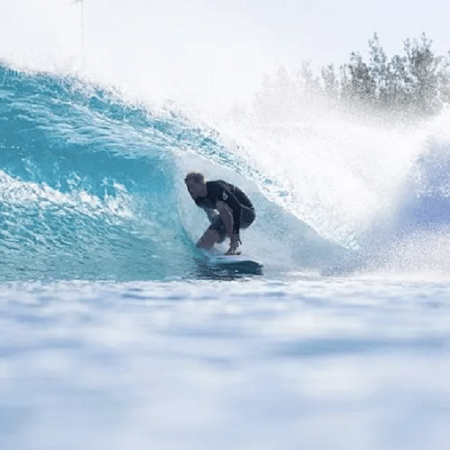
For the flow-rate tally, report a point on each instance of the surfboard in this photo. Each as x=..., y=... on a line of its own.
x=234, y=263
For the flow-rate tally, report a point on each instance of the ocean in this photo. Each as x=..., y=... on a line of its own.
x=113, y=335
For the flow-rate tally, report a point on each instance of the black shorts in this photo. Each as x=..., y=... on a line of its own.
x=247, y=218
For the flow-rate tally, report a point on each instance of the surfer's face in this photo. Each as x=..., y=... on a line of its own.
x=196, y=189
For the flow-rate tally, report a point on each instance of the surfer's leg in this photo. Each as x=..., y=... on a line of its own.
x=215, y=234
x=209, y=238
x=221, y=230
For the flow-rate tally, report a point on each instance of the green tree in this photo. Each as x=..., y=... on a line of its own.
x=360, y=87
x=330, y=82
x=422, y=68
x=380, y=72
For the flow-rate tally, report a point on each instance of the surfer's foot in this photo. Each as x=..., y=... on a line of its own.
x=235, y=252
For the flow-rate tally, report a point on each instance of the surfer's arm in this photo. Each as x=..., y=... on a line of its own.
x=236, y=210
x=221, y=194
x=226, y=214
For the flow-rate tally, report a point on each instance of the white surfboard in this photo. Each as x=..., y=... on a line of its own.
x=237, y=263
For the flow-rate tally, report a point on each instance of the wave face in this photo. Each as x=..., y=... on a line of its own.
x=91, y=188
x=86, y=184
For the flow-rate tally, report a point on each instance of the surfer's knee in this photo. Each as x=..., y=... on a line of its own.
x=208, y=239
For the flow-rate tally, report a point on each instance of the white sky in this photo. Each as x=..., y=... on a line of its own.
x=213, y=51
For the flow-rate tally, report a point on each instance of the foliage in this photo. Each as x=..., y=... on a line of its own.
x=413, y=85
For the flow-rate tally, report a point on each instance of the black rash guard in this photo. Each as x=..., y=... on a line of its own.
x=220, y=191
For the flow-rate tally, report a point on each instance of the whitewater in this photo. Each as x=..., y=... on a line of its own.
x=113, y=335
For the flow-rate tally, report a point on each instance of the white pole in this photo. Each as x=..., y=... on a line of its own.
x=82, y=35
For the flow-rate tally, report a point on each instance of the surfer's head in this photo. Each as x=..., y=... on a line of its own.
x=195, y=183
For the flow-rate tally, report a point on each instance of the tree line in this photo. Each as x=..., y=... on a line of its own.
x=415, y=84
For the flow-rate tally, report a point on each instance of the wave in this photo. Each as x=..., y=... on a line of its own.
x=83, y=181
x=414, y=236
x=91, y=187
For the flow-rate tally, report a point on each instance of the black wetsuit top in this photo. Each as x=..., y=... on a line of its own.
x=231, y=195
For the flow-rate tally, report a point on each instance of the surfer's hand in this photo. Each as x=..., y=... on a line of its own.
x=234, y=244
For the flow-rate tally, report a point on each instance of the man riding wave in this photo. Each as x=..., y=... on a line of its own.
x=228, y=209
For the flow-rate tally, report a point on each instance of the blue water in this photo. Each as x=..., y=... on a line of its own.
x=91, y=185
x=114, y=336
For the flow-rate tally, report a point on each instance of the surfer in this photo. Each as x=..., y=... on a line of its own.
x=228, y=209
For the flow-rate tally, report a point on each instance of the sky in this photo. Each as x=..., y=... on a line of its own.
x=213, y=52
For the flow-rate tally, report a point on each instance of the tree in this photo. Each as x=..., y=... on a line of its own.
x=380, y=71
x=415, y=84
x=330, y=82
x=422, y=68
x=362, y=83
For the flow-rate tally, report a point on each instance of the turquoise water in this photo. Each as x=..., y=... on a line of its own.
x=91, y=187
x=114, y=336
